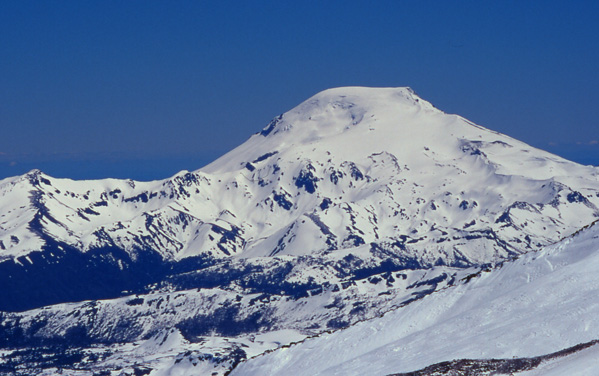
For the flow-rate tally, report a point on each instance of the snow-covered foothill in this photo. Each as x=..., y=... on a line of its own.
x=543, y=302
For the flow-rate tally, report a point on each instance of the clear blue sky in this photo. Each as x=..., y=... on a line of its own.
x=143, y=89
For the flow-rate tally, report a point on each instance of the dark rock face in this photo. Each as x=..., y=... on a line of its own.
x=283, y=200
x=271, y=126
x=307, y=180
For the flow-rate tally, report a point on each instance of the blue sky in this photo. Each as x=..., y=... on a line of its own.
x=143, y=89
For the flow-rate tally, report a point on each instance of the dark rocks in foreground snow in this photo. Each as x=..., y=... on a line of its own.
x=481, y=367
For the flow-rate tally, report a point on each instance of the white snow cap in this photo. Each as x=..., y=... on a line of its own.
x=344, y=106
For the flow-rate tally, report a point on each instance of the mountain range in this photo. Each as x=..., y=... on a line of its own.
x=359, y=209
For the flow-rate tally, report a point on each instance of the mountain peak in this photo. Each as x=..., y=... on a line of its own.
x=367, y=96
x=364, y=92
x=347, y=105
x=329, y=121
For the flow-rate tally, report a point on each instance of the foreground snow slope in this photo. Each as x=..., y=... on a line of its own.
x=544, y=302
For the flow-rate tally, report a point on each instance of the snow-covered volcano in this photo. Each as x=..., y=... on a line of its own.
x=349, y=166
x=354, y=202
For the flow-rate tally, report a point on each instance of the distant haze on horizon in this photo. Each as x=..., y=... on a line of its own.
x=143, y=90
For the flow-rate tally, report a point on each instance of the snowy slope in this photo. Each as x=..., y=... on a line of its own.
x=544, y=302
